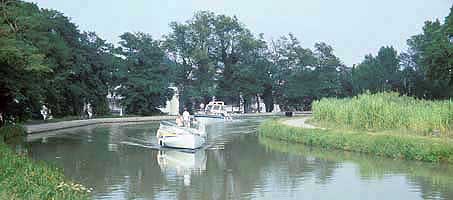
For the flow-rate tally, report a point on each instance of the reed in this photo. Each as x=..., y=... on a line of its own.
x=387, y=111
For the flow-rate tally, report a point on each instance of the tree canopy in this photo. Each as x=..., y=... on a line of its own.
x=46, y=60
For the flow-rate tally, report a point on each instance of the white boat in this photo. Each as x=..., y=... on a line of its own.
x=171, y=135
x=215, y=111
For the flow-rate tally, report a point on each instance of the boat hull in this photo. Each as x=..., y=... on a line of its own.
x=182, y=141
x=179, y=137
x=209, y=119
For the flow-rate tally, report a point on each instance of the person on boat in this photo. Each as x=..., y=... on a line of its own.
x=186, y=118
x=179, y=120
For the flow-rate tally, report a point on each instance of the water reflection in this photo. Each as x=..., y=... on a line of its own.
x=238, y=165
x=430, y=180
x=179, y=163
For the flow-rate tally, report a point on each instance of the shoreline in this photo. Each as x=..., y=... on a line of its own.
x=21, y=177
x=53, y=126
x=395, y=146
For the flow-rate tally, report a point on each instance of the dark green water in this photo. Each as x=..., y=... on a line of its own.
x=114, y=160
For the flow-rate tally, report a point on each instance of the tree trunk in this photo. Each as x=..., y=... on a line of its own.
x=258, y=103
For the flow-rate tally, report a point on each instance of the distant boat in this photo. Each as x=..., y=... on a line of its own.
x=214, y=112
x=171, y=135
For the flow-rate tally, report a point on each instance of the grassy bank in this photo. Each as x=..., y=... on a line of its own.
x=382, y=144
x=377, y=167
x=11, y=131
x=387, y=111
x=22, y=178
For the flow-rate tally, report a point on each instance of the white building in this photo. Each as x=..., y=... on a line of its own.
x=114, y=102
x=172, y=105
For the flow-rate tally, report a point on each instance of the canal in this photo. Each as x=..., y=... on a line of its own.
x=117, y=162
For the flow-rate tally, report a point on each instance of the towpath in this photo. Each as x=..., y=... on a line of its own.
x=37, y=128
x=44, y=127
x=299, y=122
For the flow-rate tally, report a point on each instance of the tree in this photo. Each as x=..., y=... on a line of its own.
x=426, y=74
x=438, y=54
x=252, y=75
x=22, y=64
x=292, y=69
x=145, y=81
x=327, y=68
x=377, y=74
x=303, y=75
x=194, y=73
x=215, y=55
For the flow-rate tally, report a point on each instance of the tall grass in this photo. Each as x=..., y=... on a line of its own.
x=22, y=178
x=385, y=111
x=11, y=131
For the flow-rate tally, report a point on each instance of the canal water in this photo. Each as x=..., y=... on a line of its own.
x=117, y=161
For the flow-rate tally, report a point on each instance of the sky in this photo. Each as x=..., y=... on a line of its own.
x=353, y=28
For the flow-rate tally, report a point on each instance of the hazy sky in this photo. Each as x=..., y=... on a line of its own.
x=353, y=27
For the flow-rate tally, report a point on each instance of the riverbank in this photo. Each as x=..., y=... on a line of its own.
x=22, y=178
x=52, y=126
x=438, y=174
x=398, y=146
x=44, y=127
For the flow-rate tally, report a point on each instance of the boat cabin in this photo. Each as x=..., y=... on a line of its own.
x=215, y=107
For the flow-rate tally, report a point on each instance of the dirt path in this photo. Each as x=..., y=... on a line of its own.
x=298, y=122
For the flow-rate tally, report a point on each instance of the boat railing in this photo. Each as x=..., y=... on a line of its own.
x=168, y=123
x=172, y=125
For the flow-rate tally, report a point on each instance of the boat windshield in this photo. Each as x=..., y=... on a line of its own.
x=168, y=123
x=216, y=107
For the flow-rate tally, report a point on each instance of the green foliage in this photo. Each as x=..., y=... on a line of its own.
x=437, y=55
x=46, y=60
x=388, y=145
x=426, y=63
x=217, y=55
x=10, y=131
x=302, y=75
x=424, y=70
x=21, y=178
x=377, y=74
x=387, y=111
x=144, y=82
